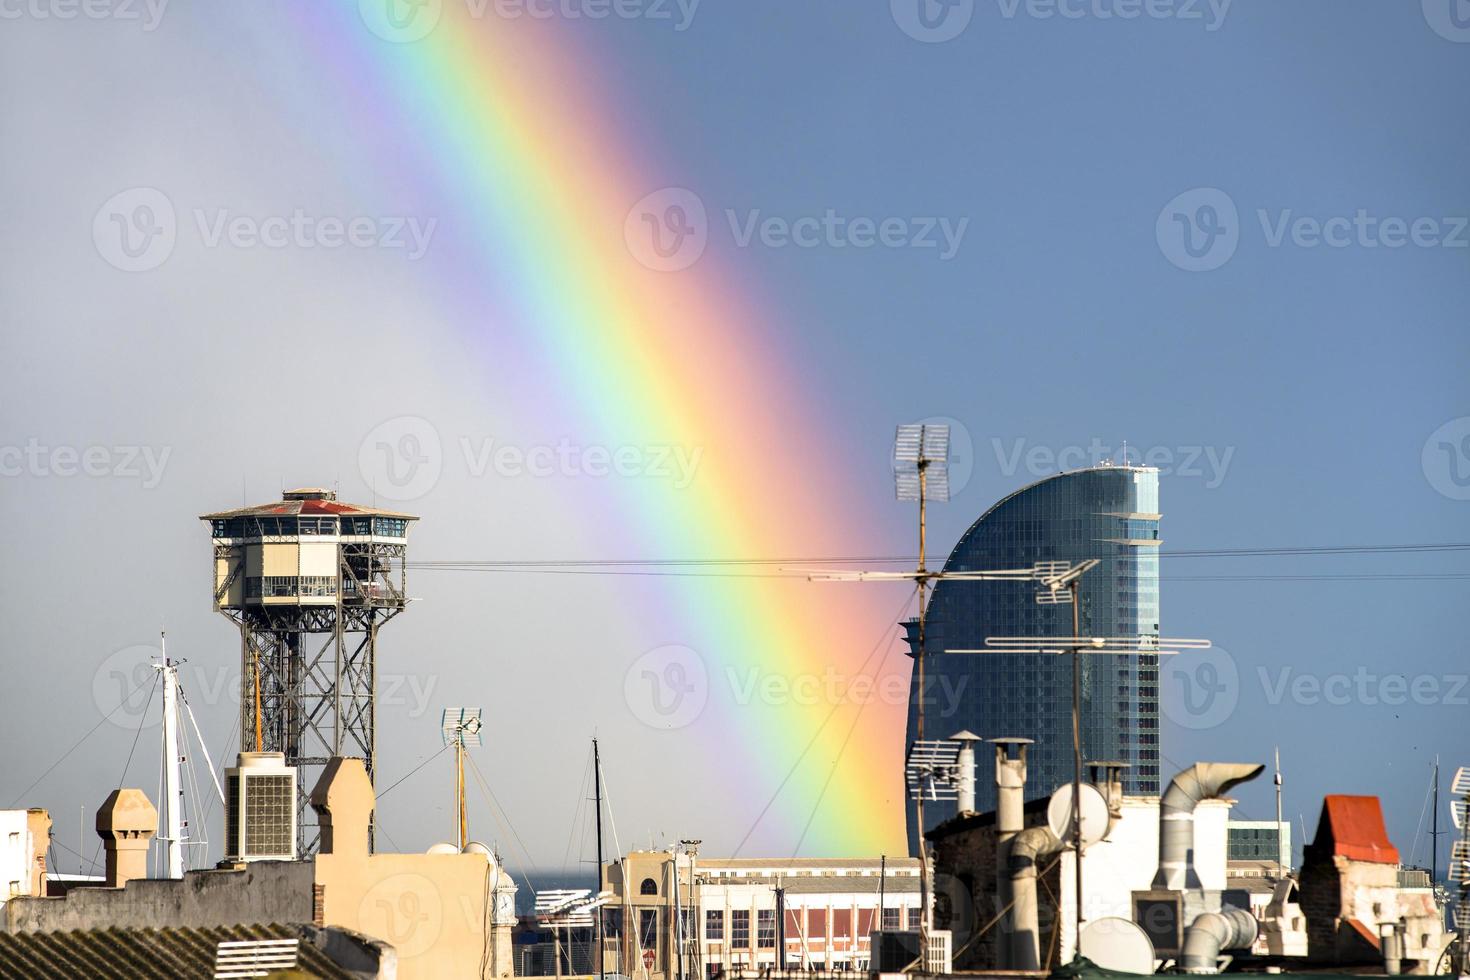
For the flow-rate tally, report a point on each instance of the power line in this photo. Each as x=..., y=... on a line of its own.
x=641, y=565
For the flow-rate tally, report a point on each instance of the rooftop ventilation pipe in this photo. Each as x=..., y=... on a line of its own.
x=1023, y=933
x=1211, y=932
x=1010, y=820
x=1201, y=781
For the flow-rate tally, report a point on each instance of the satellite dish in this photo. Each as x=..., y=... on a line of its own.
x=442, y=848
x=1095, y=817
x=475, y=847
x=1117, y=944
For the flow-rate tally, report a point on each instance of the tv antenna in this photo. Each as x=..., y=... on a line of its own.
x=1063, y=588
x=460, y=728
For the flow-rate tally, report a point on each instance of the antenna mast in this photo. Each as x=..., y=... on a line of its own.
x=172, y=784
x=597, y=794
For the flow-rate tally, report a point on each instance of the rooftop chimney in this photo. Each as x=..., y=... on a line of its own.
x=126, y=823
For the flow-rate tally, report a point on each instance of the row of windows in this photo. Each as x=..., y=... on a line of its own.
x=271, y=527
x=765, y=924
x=275, y=586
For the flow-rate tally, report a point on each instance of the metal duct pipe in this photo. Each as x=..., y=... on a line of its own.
x=1211, y=932
x=1010, y=820
x=1201, y=781
x=1392, y=937
x=1023, y=929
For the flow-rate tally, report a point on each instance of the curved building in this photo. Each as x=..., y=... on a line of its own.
x=1110, y=513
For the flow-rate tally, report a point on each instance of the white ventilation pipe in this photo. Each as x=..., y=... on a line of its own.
x=1023, y=932
x=1010, y=820
x=1212, y=932
x=1201, y=781
x=965, y=764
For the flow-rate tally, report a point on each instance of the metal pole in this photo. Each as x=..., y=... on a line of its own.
x=923, y=466
x=1077, y=762
x=172, y=785
x=464, y=831
x=1280, y=833
x=597, y=793
x=678, y=922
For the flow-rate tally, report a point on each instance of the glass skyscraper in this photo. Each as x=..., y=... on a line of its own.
x=1110, y=513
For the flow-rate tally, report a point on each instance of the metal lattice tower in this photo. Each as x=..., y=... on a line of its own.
x=309, y=581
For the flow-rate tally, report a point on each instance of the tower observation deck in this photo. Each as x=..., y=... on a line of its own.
x=308, y=581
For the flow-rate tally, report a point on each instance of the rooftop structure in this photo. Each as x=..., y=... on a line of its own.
x=309, y=580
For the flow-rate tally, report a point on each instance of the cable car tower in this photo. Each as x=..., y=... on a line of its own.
x=309, y=581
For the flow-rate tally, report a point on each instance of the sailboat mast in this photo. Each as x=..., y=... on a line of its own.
x=1434, y=835
x=597, y=793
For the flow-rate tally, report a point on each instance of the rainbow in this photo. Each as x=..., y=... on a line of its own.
x=511, y=120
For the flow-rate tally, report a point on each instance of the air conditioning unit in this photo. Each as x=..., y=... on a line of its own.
x=260, y=808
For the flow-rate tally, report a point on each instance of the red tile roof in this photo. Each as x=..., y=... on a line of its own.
x=1353, y=827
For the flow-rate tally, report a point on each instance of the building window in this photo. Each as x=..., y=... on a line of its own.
x=740, y=928
x=913, y=918
x=649, y=887
x=648, y=929
x=891, y=921
x=765, y=929
x=714, y=924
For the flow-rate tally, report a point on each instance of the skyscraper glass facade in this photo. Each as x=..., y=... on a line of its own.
x=1110, y=513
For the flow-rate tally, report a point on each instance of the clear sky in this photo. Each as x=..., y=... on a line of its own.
x=1232, y=234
